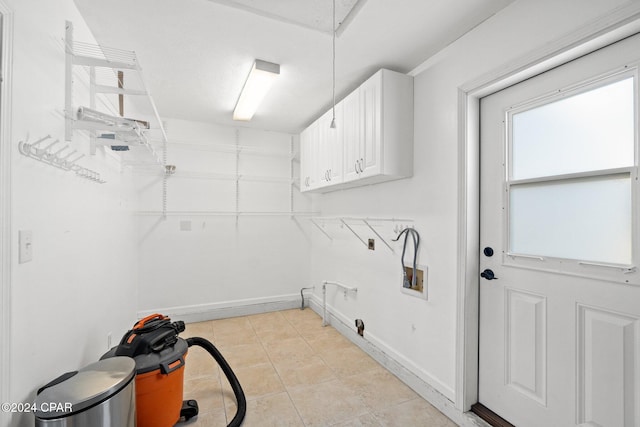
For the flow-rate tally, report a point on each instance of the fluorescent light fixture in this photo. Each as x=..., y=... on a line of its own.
x=260, y=79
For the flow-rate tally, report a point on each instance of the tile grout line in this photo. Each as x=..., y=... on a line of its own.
x=337, y=377
x=286, y=389
x=220, y=376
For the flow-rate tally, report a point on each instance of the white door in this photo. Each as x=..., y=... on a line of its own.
x=560, y=321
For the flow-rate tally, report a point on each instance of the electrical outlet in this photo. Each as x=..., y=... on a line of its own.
x=25, y=243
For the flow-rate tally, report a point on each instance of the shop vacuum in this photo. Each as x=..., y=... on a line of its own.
x=150, y=359
x=159, y=355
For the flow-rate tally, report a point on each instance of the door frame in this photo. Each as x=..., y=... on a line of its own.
x=6, y=66
x=610, y=28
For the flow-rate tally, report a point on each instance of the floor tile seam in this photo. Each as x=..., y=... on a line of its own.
x=262, y=396
x=313, y=354
x=293, y=387
x=193, y=334
x=291, y=323
x=306, y=340
x=304, y=423
x=330, y=366
x=417, y=399
x=276, y=394
x=273, y=366
x=209, y=411
x=377, y=369
x=297, y=327
x=384, y=406
x=265, y=343
x=271, y=326
x=201, y=377
x=378, y=420
x=232, y=333
x=295, y=407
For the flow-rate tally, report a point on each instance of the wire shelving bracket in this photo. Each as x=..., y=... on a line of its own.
x=120, y=66
x=58, y=157
x=347, y=222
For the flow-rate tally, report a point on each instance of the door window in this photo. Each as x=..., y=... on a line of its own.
x=571, y=165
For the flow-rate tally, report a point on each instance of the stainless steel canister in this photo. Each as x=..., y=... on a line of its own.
x=99, y=395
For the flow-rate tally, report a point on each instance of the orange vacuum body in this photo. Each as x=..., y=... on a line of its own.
x=160, y=359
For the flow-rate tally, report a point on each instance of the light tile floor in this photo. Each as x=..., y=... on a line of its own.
x=294, y=372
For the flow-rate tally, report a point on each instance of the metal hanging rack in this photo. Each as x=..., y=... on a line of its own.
x=346, y=221
x=57, y=157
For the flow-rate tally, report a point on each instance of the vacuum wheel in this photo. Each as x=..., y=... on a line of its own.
x=189, y=409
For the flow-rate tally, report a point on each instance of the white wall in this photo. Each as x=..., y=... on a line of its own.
x=81, y=284
x=222, y=261
x=422, y=334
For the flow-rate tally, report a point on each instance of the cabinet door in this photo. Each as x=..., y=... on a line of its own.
x=326, y=139
x=351, y=131
x=308, y=157
x=330, y=151
x=371, y=138
x=335, y=151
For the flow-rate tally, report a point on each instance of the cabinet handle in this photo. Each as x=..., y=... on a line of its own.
x=361, y=163
x=330, y=177
x=356, y=166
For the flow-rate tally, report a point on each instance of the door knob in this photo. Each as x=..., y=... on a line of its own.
x=488, y=274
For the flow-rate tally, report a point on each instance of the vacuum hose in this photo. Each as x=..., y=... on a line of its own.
x=233, y=380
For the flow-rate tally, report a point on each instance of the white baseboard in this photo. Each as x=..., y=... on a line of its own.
x=223, y=310
x=400, y=367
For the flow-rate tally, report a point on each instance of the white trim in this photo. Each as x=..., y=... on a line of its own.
x=399, y=366
x=225, y=309
x=5, y=205
x=616, y=25
x=467, y=326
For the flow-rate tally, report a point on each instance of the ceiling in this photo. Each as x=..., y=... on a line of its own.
x=196, y=54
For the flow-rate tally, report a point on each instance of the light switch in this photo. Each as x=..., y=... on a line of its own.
x=25, y=241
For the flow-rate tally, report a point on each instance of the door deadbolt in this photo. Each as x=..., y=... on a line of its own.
x=488, y=274
x=488, y=251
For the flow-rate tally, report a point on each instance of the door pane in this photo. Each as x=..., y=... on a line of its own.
x=585, y=219
x=592, y=130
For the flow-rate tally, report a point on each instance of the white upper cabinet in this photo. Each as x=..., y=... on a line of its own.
x=373, y=138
